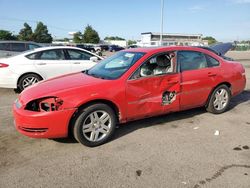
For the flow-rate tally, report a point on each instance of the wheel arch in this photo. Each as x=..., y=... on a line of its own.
x=89, y=103
x=228, y=84
x=26, y=73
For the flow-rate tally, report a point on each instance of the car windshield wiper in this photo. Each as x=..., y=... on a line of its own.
x=94, y=75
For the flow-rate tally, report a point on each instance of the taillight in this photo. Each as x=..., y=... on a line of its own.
x=2, y=65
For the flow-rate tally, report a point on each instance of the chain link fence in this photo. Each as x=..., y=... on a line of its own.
x=242, y=47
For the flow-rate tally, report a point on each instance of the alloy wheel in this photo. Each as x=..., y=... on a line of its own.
x=221, y=99
x=29, y=81
x=96, y=126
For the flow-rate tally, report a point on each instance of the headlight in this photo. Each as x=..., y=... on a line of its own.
x=18, y=103
x=47, y=104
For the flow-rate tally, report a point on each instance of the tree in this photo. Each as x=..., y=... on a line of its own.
x=90, y=35
x=41, y=34
x=66, y=39
x=113, y=38
x=77, y=37
x=210, y=40
x=130, y=42
x=6, y=35
x=26, y=33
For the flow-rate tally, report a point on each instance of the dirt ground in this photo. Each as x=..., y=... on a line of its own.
x=175, y=150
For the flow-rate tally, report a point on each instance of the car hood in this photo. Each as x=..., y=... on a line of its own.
x=57, y=85
x=222, y=48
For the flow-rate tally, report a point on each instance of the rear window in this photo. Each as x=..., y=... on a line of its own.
x=47, y=55
x=52, y=55
x=212, y=62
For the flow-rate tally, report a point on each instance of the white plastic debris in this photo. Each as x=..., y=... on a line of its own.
x=184, y=182
x=196, y=128
x=217, y=133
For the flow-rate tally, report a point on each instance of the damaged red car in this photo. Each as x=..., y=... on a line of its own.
x=130, y=85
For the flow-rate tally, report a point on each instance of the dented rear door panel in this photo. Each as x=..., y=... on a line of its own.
x=196, y=86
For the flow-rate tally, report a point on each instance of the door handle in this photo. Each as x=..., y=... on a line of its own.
x=172, y=82
x=41, y=63
x=76, y=63
x=210, y=74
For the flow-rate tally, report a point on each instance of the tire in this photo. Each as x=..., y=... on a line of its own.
x=223, y=96
x=28, y=80
x=94, y=125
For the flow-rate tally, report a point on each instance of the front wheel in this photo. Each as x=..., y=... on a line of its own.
x=219, y=100
x=94, y=125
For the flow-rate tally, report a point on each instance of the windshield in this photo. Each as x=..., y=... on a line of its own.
x=115, y=66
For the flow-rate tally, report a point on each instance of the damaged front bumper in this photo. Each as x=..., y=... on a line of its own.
x=53, y=124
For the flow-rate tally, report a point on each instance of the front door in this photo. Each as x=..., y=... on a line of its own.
x=79, y=60
x=154, y=88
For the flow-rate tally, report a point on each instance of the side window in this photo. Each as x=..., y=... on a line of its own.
x=157, y=65
x=211, y=61
x=79, y=55
x=52, y=55
x=18, y=47
x=33, y=56
x=32, y=46
x=5, y=46
x=191, y=60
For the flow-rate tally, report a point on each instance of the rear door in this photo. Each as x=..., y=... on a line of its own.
x=79, y=60
x=151, y=91
x=51, y=63
x=198, y=78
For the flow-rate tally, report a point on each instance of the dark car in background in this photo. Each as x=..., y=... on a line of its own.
x=10, y=48
x=133, y=46
x=104, y=47
x=90, y=48
x=115, y=48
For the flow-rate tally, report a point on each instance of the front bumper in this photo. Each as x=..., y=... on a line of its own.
x=42, y=124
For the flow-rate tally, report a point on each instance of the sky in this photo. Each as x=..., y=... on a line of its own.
x=226, y=20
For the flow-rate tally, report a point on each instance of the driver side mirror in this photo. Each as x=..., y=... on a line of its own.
x=94, y=59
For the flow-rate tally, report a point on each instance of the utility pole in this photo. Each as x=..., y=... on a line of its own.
x=162, y=7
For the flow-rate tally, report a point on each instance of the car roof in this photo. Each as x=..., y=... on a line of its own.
x=54, y=48
x=16, y=41
x=57, y=47
x=162, y=48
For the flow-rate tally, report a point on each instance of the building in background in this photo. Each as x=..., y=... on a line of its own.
x=153, y=39
x=122, y=43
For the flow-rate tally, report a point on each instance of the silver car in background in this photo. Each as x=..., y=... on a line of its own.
x=10, y=48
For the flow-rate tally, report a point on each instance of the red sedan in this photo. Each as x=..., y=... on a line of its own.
x=130, y=85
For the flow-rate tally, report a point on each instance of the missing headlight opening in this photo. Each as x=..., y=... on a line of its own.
x=45, y=104
x=168, y=97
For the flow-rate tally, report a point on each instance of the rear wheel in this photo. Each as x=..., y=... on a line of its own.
x=28, y=80
x=94, y=125
x=219, y=100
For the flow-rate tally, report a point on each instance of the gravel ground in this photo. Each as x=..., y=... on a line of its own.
x=175, y=150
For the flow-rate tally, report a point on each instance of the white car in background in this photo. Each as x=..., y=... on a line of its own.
x=29, y=67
